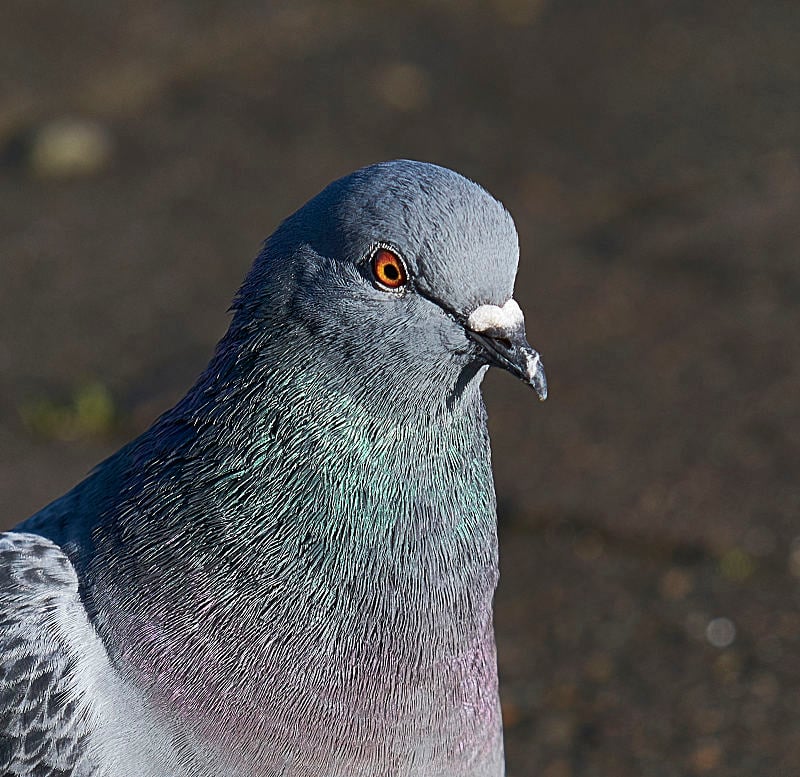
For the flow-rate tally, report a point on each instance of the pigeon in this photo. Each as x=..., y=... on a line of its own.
x=292, y=571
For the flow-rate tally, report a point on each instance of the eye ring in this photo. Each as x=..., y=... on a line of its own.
x=388, y=269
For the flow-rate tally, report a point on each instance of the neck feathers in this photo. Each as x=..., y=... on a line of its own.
x=315, y=544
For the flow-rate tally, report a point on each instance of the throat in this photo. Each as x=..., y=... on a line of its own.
x=368, y=610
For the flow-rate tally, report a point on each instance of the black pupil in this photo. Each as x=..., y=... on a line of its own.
x=391, y=272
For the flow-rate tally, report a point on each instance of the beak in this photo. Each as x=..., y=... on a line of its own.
x=500, y=331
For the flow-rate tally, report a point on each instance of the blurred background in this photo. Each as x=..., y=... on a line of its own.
x=648, y=615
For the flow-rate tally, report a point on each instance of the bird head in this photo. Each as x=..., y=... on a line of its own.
x=404, y=268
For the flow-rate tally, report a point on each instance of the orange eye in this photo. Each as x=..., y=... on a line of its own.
x=388, y=269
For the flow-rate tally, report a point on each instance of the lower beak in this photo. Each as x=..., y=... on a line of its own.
x=511, y=351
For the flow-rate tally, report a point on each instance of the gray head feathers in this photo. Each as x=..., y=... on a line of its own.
x=460, y=242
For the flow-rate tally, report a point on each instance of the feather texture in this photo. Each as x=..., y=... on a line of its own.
x=292, y=571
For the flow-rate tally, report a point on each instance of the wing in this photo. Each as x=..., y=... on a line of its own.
x=44, y=726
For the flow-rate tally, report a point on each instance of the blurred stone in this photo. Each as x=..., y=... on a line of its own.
x=519, y=12
x=563, y=696
x=558, y=768
x=511, y=714
x=736, y=565
x=404, y=86
x=589, y=547
x=68, y=147
x=128, y=87
x=558, y=730
x=91, y=412
x=765, y=687
x=675, y=584
x=706, y=757
x=728, y=667
x=721, y=632
x=599, y=668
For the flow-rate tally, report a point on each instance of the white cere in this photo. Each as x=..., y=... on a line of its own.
x=493, y=317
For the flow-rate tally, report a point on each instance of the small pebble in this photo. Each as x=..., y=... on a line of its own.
x=706, y=757
x=511, y=714
x=69, y=147
x=675, y=584
x=721, y=632
x=736, y=565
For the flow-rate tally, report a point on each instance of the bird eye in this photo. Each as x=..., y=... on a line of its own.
x=388, y=269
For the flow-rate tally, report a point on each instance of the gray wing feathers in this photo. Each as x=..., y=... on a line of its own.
x=44, y=728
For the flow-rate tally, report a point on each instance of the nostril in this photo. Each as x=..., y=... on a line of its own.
x=504, y=341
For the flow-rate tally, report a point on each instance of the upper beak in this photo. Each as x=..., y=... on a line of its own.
x=500, y=331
